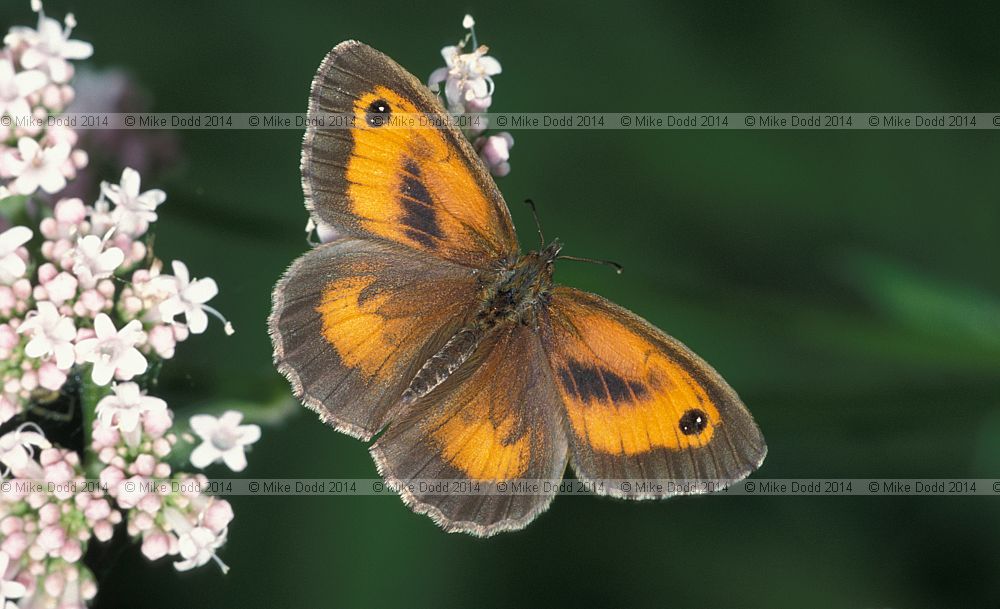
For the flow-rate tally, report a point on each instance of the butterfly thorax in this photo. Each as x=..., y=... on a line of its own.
x=513, y=294
x=510, y=294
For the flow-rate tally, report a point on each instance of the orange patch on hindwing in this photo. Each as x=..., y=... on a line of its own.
x=623, y=395
x=483, y=449
x=353, y=325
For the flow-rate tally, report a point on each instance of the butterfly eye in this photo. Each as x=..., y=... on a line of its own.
x=693, y=421
x=378, y=113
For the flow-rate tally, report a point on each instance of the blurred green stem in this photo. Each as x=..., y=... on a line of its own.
x=90, y=394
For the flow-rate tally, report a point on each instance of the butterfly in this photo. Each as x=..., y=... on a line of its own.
x=423, y=324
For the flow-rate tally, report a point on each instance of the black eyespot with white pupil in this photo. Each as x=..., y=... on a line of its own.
x=693, y=421
x=378, y=113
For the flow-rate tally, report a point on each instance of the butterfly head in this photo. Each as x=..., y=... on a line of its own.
x=550, y=252
x=540, y=266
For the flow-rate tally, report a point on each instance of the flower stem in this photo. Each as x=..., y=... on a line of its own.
x=90, y=394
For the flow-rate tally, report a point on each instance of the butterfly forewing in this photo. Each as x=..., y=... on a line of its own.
x=402, y=172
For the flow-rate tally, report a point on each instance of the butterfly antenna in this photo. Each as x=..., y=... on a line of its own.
x=538, y=223
x=618, y=268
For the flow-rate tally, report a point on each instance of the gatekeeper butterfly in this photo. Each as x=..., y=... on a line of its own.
x=423, y=321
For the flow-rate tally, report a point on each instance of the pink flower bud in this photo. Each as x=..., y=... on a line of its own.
x=8, y=337
x=93, y=300
x=79, y=158
x=50, y=456
x=478, y=104
x=61, y=288
x=58, y=472
x=143, y=521
x=54, y=583
x=156, y=422
x=98, y=510
x=70, y=211
x=14, y=545
x=218, y=515
x=180, y=333
x=29, y=380
x=149, y=504
x=72, y=551
x=22, y=288
x=132, y=305
x=88, y=589
x=104, y=436
x=51, y=539
x=495, y=152
x=49, y=514
x=111, y=477
x=47, y=271
x=130, y=492
x=103, y=530
x=161, y=448
x=144, y=465
x=52, y=97
x=68, y=95
x=10, y=524
x=162, y=339
x=51, y=377
x=155, y=546
x=7, y=409
x=106, y=288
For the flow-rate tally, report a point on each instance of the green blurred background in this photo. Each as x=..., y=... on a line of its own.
x=845, y=283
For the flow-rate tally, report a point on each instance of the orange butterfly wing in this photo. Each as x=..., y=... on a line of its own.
x=493, y=421
x=418, y=186
x=352, y=321
x=640, y=405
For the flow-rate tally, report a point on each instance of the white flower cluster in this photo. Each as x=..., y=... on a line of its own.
x=63, y=314
x=45, y=534
x=34, y=72
x=85, y=310
x=468, y=89
x=133, y=437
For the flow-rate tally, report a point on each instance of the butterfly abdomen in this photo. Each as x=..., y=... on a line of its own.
x=443, y=363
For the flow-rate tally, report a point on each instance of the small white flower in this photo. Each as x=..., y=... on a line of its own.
x=125, y=408
x=91, y=262
x=197, y=546
x=113, y=351
x=11, y=265
x=9, y=589
x=223, y=439
x=17, y=448
x=467, y=77
x=133, y=210
x=16, y=86
x=36, y=167
x=49, y=46
x=189, y=297
x=51, y=333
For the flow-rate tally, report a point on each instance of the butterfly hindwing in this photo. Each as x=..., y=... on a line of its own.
x=640, y=405
x=352, y=320
x=420, y=186
x=495, y=420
